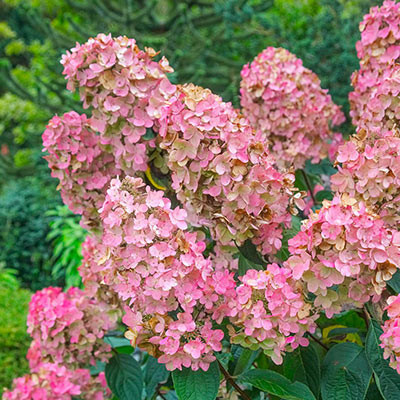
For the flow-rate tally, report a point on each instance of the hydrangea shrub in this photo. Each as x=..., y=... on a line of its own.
x=226, y=255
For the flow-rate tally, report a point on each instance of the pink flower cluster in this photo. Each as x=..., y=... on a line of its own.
x=127, y=91
x=172, y=292
x=67, y=331
x=55, y=382
x=271, y=313
x=344, y=244
x=77, y=160
x=68, y=328
x=390, y=339
x=374, y=105
x=222, y=173
x=284, y=100
x=371, y=173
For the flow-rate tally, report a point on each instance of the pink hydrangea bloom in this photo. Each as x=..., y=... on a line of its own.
x=344, y=244
x=284, y=100
x=127, y=91
x=271, y=312
x=172, y=292
x=54, y=382
x=391, y=333
x=68, y=328
x=374, y=107
x=222, y=173
x=76, y=158
x=371, y=173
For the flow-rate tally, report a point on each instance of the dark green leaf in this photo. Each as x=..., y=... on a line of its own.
x=249, y=251
x=394, y=283
x=244, y=265
x=277, y=385
x=342, y=331
x=324, y=195
x=386, y=378
x=345, y=373
x=115, y=341
x=124, y=377
x=197, y=385
x=154, y=374
x=244, y=361
x=303, y=365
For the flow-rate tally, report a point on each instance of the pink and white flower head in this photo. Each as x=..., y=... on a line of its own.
x=390, y=339
x=83, y=168
x=222, y=173
x=172, y=292
x=284, y=100
x=373, y=103
x=55, y=382
x=271, y=312
x=68, y=328
x=344, y=255
x=370, y=172
x=127, y=91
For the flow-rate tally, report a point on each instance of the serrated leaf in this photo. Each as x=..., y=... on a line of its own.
x=345, y=373
x=386, y=378
x=276, y=384
x=304, y=365
x=124, y=377
x=197, y=385
x=154, y=374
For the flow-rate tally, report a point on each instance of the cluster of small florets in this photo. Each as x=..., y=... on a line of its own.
x=77, y=160
x=374, y=105
x=371, y=173
x=51, y=381
x=157, y=267
x=284, y=100
x=68, y=328
x=126, y=90
x=390, y=339
x=270, y=312
x=222, y=173
x=344, y=244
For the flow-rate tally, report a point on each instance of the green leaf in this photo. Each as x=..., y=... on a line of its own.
x=154, y=374
x=323, y=195
x=197, y=385
x=386, y=378
x=244, y=265
x=345, y=373
x=303, y=365
x=249, y=251
x=115, y=341
x=124, y=377
x=394, y=283
x=277, y=385
x=342, y=331
x=244, y=361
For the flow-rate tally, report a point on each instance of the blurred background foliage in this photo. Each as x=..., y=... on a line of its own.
x=206, y=41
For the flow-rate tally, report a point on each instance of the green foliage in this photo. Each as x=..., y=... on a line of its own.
x=346, y=373
x=124, y=377
x=197, y=385
x=14, y=341
x=23, y=205
x=67, y=237
x=273, y=383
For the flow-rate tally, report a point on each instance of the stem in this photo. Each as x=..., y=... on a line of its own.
x=232, y=382
x=308, y=186
x=365, y=315
x=318, y=341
